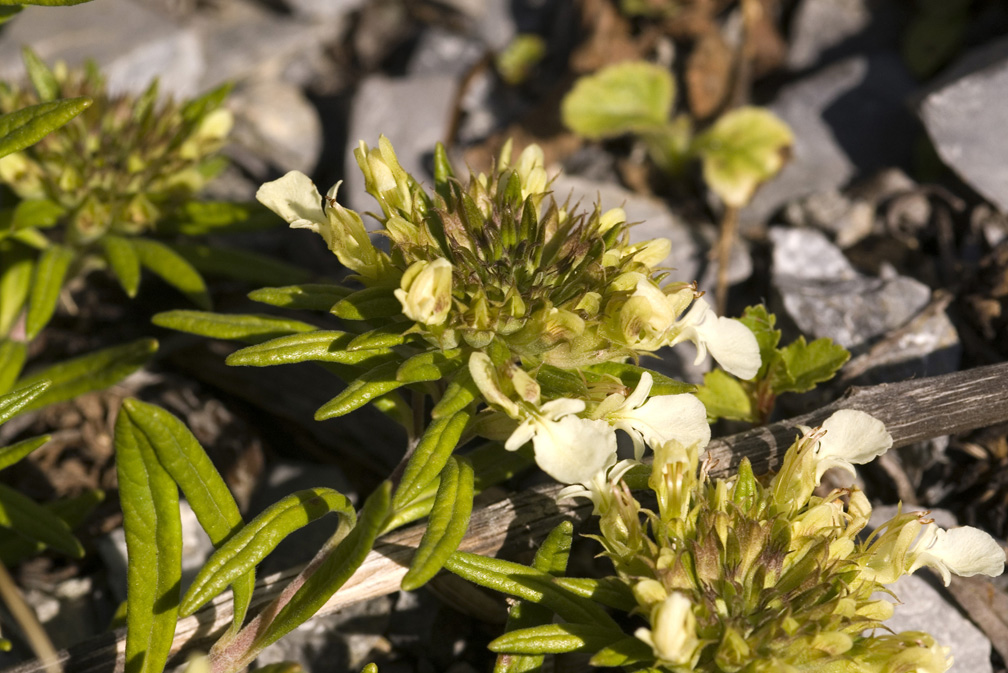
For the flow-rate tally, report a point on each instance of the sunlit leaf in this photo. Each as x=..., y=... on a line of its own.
x=319, y=346
x=33, y=521
x=12, y=358
x=25, y=127
x=367, y=387
x=725, y=397
x=307, y=296
x=250, y=328
x=809, y=364
x=430, y=456
x=18, y=400
x=16, y=267
x=628, y=97
x=173, y=269
x=124, y=262
x=556, y=639
x=50, y=274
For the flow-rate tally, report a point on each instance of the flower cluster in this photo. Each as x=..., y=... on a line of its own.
x=531, y=298
x=120, y=166
x=749, y=576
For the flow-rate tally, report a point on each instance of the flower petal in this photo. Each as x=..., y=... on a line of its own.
x=665, y=418
x=295, y=198
x=965, y=551
x=573, y=449
x=852, y=438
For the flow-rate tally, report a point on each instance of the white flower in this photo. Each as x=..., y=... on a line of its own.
x=567, y=447
x=658, y=420
x=730, y=342
x=851, y=438
x=673, y=636
x=599, y=489
x=965, y=551
x=426, y=291
x=295, y=198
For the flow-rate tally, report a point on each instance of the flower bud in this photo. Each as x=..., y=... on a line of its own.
x=426, y=291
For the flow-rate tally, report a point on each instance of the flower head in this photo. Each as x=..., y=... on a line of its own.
x=426, y=291
x=672, y=635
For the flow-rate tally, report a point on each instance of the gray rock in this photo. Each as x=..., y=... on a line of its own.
x=826, y=297
x=828, y=31
x=413, y=112
x=848, y=118
x=846, y=220
x=325, y=10
x=966, y=126
x=923, y=607
x=145, y=45
x=274, y=119
x=440, y=51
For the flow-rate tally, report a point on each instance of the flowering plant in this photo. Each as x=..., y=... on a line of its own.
x=744, y=574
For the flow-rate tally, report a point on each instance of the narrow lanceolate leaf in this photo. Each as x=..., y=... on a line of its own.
x=23, y=515
x=16, y=267
x=124, y=262
x=93, y=371
x=16, y=401
x=430, y=456
x=240, y=264
x=317, y=346
x=15, y=452
x=250, y=545
x=368, y=304
x=189, y=466
x=449, y=520
x=429, y=366
x=41, y=76
x=173, y=269
x=153, y=531
x=250, y=328
x=12, y=358
x=341, y=563
x=73, y=511
x=50, y=273
x=27, y=126
x=527, y=584
x=551, y=558
x=367, y=387
x=460, y=393
x=556, y=639
x=382, y=337
x=307, y=296
x=623, y=652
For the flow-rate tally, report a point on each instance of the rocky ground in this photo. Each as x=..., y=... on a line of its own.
x=885, y=232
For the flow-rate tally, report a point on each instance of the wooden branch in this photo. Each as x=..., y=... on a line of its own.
x=912, y=411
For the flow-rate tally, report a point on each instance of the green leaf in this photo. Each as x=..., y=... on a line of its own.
x=9, y=12
x=743, y=149
x=556, y=639
x=195, y=109
x=93, y=371
x=809, y=364
x=334, y=571
x=449, y=520
x=557, y=382
x=33, y=521
x=73, y=511
x=317, y=346
x=253, y=542
x=429, y=366
x=761, y=323
x=181, y=455
x=173, y=269
x=198, y=218
x=623, y=652
x=430, y=456
x=50, y=273
x=37, y=213
x=124, y=262
x=310, y=297
x=12, y=358
x=42, y=78
x=250, y=328
x=25, y=127
x=153, y=529
x=609, y=591
x=15, y=452
x=370, y=303
x=16, y=267
x=527, y=584
x=630, y=376
x=16, y=401
x=382, y=337
x=725, y=397
x=628, y=97
x=241, y=265
x=366, y=388
x=460, y=393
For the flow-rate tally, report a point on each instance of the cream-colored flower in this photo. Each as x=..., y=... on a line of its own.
x=850, y=438
x=567, y=447
x=730, y=342
x=672, y=635
x=425, y=291
x=965, y=551
x=658, y=420
x=599, y=489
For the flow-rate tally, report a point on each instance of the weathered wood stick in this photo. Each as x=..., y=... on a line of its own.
x=912, y=411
